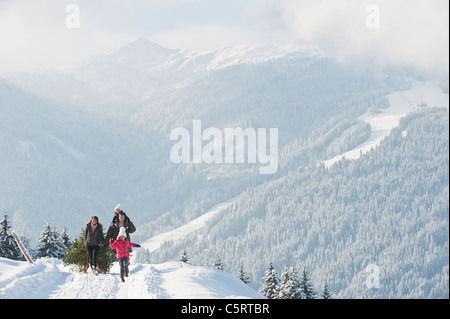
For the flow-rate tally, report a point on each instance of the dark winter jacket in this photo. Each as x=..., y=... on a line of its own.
x=121, y=247
x=93, y=238
x=113, y=230
x=116, y=218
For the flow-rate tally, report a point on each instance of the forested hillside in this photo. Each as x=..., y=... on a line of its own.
x=77, y=142
x=389, y=208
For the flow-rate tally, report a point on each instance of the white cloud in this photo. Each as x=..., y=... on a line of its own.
x=410, y=31
x=203, y=38
x=33, y=33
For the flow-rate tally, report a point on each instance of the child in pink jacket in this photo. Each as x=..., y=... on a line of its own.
x=121, y=245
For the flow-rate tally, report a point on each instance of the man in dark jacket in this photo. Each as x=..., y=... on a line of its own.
x=114, y=228
x=117, y=210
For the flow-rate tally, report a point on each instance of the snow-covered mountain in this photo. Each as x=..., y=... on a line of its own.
x=48, y=278
x=76, y=142
x=98, y=133
x=147, y=70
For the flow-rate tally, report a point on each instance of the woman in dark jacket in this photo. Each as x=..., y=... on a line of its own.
x=93, y=237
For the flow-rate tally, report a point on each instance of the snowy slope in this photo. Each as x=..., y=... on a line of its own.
x=155, y=242
x=198, y=223
x=422, y=94
x=50, y=279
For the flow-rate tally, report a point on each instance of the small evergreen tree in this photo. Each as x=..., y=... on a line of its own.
x=8, y=246
x=77, y=256
x=284, y=286
x=243, y=276
x=306, y=287
x=294, y=288
x=50, y=244
x=326, y=294
x=271, y=288
x=184, y=257
x=218, y=263
x=65, y=240
x=290, y=287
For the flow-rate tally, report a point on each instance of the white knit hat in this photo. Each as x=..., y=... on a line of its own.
x=122, y=232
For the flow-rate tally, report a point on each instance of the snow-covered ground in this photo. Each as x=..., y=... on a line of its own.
x=422, y=94
x=48, y=278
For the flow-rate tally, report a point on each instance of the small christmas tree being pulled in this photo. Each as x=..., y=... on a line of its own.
x=77, y=256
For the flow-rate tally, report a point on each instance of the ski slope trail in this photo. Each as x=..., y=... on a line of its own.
x=179, y=233
x=422, y=94
x=48, y=278
x=196, y=224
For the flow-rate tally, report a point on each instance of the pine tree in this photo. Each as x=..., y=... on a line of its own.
x=326, y=294
x=306, y=287
x=50, y=244
x=218, y=263
x=294, y=289
x=283, y=290
x=8, y=246
x=243, y=276
x=65, y=239
x=77, y=256
x=184, y=257
x=290, y=286
x=271, y=288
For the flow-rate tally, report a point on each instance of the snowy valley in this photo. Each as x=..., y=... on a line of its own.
x=362, y=177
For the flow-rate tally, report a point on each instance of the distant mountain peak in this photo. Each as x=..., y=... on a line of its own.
x=144, y=46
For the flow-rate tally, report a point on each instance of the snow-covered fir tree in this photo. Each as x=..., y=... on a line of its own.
x=8, y=246
x=65, y=239
x=282, y=294
x=218, y=263
x=289, y=288
x=326, y=294
x=243, y=276
x=306, y=287
x=184, y=257
x=271, y=283
x=50, y=244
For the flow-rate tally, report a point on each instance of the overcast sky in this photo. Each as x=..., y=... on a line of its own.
x=40, y=33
